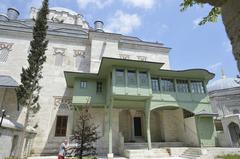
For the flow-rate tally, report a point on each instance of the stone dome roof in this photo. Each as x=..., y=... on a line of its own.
x=61, y=9
x=223, y=83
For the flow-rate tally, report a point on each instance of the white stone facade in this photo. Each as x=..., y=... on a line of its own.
x=77, y=39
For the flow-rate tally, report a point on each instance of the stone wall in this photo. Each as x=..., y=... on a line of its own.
x=173, y=125
x=9, y=142
x=53, y=82
x=190, y=135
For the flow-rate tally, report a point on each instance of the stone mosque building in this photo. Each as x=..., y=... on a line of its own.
x=138, y=101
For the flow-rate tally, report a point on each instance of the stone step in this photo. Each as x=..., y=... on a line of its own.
x=55, y=157
x=154, y=145
x=145, y=153
x=192, y=153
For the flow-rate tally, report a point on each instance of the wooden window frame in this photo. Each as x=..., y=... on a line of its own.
x=61, y=131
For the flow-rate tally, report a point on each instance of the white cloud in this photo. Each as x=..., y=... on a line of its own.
x=123, y=22
x=227, y=46
x=196, y=22
x=215, y=66
x=96, y=3
x=164, y=28
x=145, y=4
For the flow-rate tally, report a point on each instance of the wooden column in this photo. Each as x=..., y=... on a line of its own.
x=110, y=152
x=147, y=119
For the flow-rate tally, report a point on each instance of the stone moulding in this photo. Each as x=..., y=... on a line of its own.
x=59, y=51
x=79, y=53
x=63, y=103
x=5, y=45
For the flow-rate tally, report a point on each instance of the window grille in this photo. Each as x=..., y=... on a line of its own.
x=120, y=77
x=132, y=78
x=182, y=86
x=197, y=87
x=143, y=79
x=61, y=126
x=167, y=85
x=155, y=84
x=83, y=84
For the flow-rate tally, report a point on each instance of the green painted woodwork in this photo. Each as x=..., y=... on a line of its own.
x=119, y=92
x=82, y=95
x=206, y=130
x=124, y=92
x=147, y=116
x=110, y=127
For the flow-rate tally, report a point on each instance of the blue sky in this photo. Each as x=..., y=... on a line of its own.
x=192, y=46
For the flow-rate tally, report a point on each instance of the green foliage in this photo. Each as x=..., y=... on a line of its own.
x=10, y=158
x=212, y=15
x=229, y=157
x=28, y=91
x=85, y=134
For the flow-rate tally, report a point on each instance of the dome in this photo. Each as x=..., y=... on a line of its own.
x=61, y=9
x=223, y=83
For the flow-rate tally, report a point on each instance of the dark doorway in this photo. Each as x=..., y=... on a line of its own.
x=235, y=134
x=137, y=126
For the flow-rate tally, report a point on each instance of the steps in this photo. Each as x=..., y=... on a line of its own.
x=144, y=153
x=51, y=147
x=144, y=145
x=140, y=150
x=192, y=153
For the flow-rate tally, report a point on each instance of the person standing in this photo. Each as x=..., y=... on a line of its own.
x=62, y=149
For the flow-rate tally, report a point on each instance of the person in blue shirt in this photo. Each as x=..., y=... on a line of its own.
x=62, y=149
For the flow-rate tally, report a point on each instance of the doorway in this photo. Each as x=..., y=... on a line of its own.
x=137, y=126
x=235, y=134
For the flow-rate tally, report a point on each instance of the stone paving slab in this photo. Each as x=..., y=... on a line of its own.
x=55, y=157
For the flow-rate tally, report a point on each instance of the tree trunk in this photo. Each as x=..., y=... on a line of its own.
x=22, y=145
x=231, y=21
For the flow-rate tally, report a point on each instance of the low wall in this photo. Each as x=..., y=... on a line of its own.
x=9, y=138
x=213, y=152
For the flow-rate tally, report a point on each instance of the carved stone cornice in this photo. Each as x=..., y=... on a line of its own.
x=5, y=45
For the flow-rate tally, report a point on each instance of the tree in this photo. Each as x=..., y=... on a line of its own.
x=28, y=90
x=230, y=12
x=85, y=134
